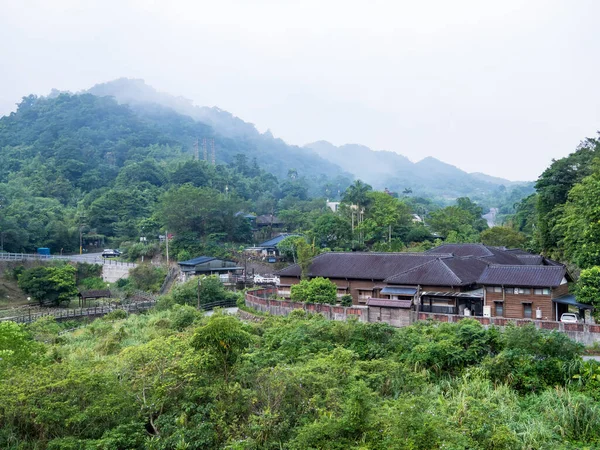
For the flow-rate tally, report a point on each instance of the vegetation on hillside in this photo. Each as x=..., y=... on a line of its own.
x=175, y=379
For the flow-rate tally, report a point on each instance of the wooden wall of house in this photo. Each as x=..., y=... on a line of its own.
x=561, y=290
x=513, y=304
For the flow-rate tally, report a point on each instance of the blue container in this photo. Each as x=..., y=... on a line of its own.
x=43, y=251
x=272, y=260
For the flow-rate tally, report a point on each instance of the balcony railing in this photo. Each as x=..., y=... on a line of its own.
x=438, y=309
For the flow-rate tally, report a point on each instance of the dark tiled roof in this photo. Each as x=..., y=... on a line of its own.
x=196, y=261
x=362, y=266
x=525, y=276
x=478, y=250
x=276, y=240
x=434, y=273
x=405, y=304
x=492, y=255
x=268, y=219
x=531, y=260
x=442, y=272
x=96, y=293
x=518, y=251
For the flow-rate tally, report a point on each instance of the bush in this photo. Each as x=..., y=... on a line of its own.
x=183, y=316
x=346, y=300
x=92, y=283
x=146, y=277
x=317, y=290
x=117, y=314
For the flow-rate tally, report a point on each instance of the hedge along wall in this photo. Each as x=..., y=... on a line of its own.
x=257, y=300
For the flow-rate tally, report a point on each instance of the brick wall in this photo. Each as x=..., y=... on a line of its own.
x=579, y=332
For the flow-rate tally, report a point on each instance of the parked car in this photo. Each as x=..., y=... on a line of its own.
x=569, y=318
x=110, y=253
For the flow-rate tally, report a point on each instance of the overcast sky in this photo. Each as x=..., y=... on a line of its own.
x=496, y=87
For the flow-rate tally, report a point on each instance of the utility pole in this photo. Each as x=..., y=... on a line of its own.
x=199, y=284
x=196, y=152
x=205, y=149
x=212, y=150
x=167, y=241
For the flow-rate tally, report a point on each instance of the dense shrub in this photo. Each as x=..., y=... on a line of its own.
x=147, y=277
x=176, y=379
x=317, y=290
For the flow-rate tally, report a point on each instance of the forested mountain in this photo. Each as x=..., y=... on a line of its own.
x=429, y=177
x=83, y=166
x=74, y=163
x=232, y=135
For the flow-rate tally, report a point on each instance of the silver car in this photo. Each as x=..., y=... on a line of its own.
x=569, y=318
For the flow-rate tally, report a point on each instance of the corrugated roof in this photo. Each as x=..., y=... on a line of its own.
x=276, y=240
x=405, y=304
x=522, y=276
x=196, y=261
x=362, y=266
x=571, y=300
x=391, y=290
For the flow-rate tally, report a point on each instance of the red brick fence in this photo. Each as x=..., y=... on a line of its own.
x=259, y=301
x=581, y=332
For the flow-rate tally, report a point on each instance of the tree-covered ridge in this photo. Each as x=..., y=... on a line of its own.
x=175, y=379
x=76, y=163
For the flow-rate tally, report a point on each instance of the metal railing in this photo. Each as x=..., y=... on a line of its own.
x=74, y=258
x=438, y=309
x=219, y=304
x=81, y=312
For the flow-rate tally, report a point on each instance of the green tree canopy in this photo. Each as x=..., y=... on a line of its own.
x=503, y=237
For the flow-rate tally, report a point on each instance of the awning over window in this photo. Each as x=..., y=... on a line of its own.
x=398, y=291
x=570, y=300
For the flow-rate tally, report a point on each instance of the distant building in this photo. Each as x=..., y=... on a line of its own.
x=269, y=220
x=334, y=206
x=270, y=247
x=208, y=265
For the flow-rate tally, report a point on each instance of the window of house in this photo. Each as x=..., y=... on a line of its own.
x=499, y=309
x=527, y=310
x=537, y=291
x=546, y=291
x=523, y=291
x=497, y=289
x=509, y=291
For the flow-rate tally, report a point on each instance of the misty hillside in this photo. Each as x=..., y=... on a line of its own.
x=428, y=177
x=231, y=134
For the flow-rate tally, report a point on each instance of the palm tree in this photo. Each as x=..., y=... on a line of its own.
x=356, y=194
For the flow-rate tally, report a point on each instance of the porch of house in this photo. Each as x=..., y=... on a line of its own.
x=457, y=303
